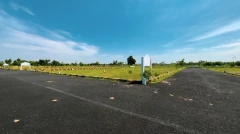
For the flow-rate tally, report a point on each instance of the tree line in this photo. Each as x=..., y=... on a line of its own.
x=201, y=63
x=48, y=62
x=130, y=61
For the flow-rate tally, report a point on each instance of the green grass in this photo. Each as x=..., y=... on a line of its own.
x=227, y=69
x=118, y=72
x=158, y=79
x=121, y=72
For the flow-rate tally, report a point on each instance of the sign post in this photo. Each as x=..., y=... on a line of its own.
x=145, y=61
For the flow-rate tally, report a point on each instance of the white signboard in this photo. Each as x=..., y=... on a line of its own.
x=145, y=61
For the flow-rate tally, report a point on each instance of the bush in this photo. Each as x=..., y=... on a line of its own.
x=130, y=71
x=232, y=64
x=147, y=74
x=156, y=74
x=238, y=63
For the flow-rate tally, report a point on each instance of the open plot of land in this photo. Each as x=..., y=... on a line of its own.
x=121, y=72
x=192, y=101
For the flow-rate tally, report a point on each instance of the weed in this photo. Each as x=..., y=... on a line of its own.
x=130, y=71
x=156, y=74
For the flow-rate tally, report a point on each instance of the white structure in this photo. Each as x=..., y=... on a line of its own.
x=145, y=61
x=5, y=64
x=25, y=64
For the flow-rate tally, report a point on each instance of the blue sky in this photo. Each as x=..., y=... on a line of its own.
x=93, y=30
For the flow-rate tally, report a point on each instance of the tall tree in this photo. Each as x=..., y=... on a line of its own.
x=55, y=63
x=8, y=61
x=131, y=60
x=16, y=63
x=43, y=62
x=81, y=64
x=181, y=62
x=115, y=62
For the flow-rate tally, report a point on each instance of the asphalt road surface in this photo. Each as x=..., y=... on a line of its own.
x=192, y=101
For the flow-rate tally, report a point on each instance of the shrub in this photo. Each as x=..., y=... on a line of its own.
x=238, y=63
x=130, y=71
x=147, y=74
x=156, y=74
x=232, y=64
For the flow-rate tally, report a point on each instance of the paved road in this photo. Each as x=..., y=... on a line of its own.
x=191, y=101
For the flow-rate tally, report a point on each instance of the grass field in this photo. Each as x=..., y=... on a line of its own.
x=230, y=70
x=118, y=72
x=222, y=69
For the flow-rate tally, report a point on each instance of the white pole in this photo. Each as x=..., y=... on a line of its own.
x=142, y=71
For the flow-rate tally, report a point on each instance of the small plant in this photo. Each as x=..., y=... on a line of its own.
x=130, y=71
x=156, y=74
x=147, y=74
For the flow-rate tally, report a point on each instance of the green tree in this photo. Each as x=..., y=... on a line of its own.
x=81, y=64
x=34, y=63
x=162, y=63
x=232, y=64
x=74, y=64
x=120, y=63
x=8, y=61
x=131, y=60
x=43, y=62
x=1, y=63
x=18, y=59
x=97, y=63
x=201, y=63
x=115, y=62
x=16, y=63
x=218, y=63
x=190, y=63
x=55, y=63
x=238, y=63
x=180, y=63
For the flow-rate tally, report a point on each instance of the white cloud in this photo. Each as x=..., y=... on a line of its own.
x=234, y=26
x=28, y=41
x=233, y=45
x=26, y=38
x=18, y=7
x=183, y=50
x=214, y=53
x=9, y=21
x=65, y=33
